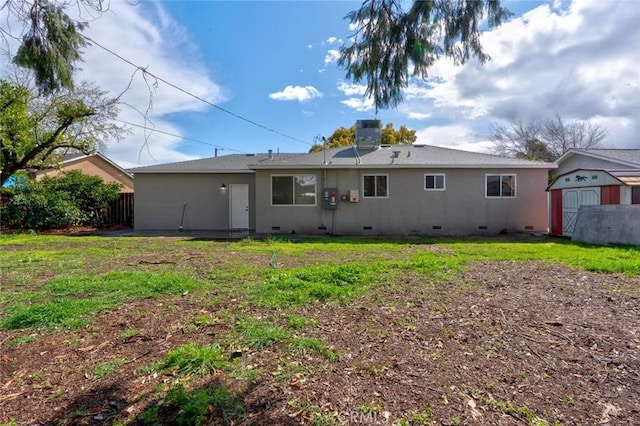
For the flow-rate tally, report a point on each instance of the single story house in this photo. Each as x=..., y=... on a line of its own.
x=93, y=165
x=364, y=189
x=592, y=177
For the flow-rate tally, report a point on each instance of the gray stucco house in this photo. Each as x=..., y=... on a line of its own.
x=358, y=190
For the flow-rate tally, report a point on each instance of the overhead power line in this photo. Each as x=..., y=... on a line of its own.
x=154, y=130
x=186, y=92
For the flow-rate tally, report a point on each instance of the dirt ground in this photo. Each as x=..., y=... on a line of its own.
x=510, y=343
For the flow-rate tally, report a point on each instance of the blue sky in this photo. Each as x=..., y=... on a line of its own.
x=272, y=65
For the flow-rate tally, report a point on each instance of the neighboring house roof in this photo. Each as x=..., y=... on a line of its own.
x=234, y=163
x=400, y=156
x=626, y=157
x=92, y=164
x=72, y=158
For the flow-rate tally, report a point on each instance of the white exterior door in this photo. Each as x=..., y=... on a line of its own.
x=572, y=199
x=239, y=205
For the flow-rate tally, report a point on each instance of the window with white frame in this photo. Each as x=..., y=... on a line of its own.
x=375, y=186
x=434, y=182
x=293, y=190
x=500, y=185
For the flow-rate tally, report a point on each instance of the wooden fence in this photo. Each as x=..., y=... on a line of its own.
x=120, y=211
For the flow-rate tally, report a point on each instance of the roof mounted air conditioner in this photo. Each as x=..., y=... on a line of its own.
x=368, y=134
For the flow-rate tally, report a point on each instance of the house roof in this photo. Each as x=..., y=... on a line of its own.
x=73, y=157
x=100, y=155
x=399, y=156
x=234, y=163
x=627, y=157
x=70, y=156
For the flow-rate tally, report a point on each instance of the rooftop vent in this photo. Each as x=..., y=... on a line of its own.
x=368, y=134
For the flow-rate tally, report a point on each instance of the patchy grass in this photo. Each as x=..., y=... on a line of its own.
x=258, y=334
x=107, y=368
x=193, y=359
x=624, y=259
x=310, y=330
x=75, y=298
x=194, y=407
x=329, y=284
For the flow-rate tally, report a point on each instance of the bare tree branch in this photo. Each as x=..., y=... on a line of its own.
x=545, y=140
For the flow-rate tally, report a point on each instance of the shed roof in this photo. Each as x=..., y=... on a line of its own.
x=624, y=177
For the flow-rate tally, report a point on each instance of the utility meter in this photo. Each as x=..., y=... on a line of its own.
x=330, y=198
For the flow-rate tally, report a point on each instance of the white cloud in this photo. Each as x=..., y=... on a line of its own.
x=148, y=37
x=154, y=42
x=332, y=56
x=452, y=135
x=296, y=93
x=149, y=147
x=579, y=61
x=359, y=104
x=418, y=115
x=350, y=89
x=332, y=40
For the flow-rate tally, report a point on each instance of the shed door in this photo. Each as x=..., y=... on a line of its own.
x=239, y=206
x=572, y=199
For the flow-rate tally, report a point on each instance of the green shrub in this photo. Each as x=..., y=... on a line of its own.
x=57, y=202
x=33, y=207
x=88, y=193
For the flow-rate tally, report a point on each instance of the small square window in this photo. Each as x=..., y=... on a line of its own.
x=298, y=190
x=375, y=186
x=434, y=182
x=498, y=186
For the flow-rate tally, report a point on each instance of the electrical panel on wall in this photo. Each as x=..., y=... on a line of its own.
x=330, y=198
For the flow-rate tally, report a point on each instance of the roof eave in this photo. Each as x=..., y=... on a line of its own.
x=200, y=171
x=548, y=166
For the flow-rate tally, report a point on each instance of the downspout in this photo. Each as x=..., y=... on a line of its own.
x=324, y=212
